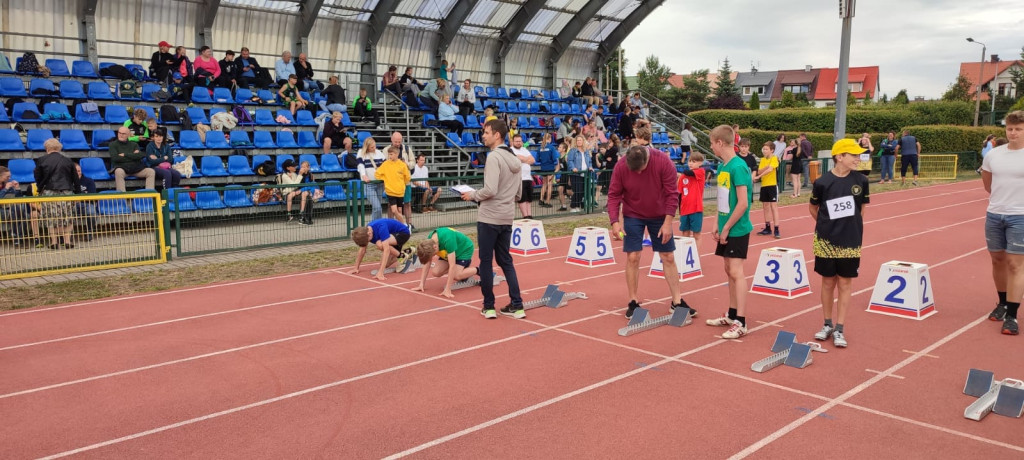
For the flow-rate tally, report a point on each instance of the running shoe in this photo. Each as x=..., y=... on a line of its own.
x=777, y=235
x=735, y=331
x=682, y=303
x=837, y=339
x=998, y=314
x=1010, y=326
x=515, y=312
x=766, y=231
x=489, y=313
x=720, y=321
x=824, y=333
x=632, y=306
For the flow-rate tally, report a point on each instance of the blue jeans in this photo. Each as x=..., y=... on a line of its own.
x=495, y=241
x=888, y=161
x=1004, y=233
x=333, y=107
x=373, y=191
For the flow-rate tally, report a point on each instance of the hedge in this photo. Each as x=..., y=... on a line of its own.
x=870, y=118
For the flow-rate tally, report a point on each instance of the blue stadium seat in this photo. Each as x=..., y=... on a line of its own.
x=260, y=159
x=181, y=201
x=208, y=198
x=19, y=110
x=524, y=107
x=10, y=141
x=136, y=67
x=287, y=115
x=263, y=140
x=523, y=122
x=576, y=109
x=264, y=117
x=189, y=139
x=307, y=140
x=145, y=108
x=99, y=90
x=566, y=108
x=58, y=68
x=362, y=136
x=81, y=116
x=100, y=136
x=143, y=205
x=201, y=95
x=22, y=170
x=281, y=159
x=334, y=191
x=147, y=91
x=112, y=206
x=197, y=115
x=36, y=138
x=427, y=117
x=534, y=107
x=237, y=197
x=74, y=139
x=40, y=84
x=491, y=92
x=116, y=114
x=215, y=110
x=472, y=122
x=342, y=162
x=535, y=123
x=3, y=115
x=346, y=120
x=244, y=96
x=500, y=105
x=329, y=163
x=286, y=140
x=502, y=93
x=304, y=118
x=83, y=69
x=314, y=163
x=104, y=65
x=356, y=188
x=240, y=139
x=453, y=140
x=72, y=89
x=57, y=112
x=222, y=95
x=94, y=168
x=468, y=140
x=216, y=140
x=12, y=86
x=267, y=96
x=238, y=165
x=212, y=166
x=473, y=160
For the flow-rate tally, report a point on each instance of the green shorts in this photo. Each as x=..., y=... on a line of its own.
x=408, y=193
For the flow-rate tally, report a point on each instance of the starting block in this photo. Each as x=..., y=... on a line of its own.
x=903, y=289
x=411, y=264
x=787, y=351
x=1004, y=397
x=687, y=260
x=528, y=238
x=782, y=273
x=640, y=322
x=553, y=298
x=475, y=281
x=590, y=247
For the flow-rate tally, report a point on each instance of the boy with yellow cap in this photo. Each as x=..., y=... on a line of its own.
x=837, y=204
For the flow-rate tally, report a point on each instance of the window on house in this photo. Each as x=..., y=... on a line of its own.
x=795, y=89
x=1004, y=89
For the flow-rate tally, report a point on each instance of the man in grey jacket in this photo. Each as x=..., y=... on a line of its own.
x=502, y=188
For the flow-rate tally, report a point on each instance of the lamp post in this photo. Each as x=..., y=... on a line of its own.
x=981, y=74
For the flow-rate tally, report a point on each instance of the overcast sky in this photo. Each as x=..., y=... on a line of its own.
x=917, y=44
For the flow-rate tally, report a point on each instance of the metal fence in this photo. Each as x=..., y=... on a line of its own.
x=62, y=234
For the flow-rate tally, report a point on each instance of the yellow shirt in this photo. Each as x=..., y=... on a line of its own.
x=492, y=117
x=395, y=174
x=771, y=178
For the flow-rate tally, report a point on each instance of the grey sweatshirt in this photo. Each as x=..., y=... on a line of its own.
x=502, y=187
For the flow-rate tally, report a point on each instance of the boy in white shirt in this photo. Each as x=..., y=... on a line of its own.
x=420, y=171
x=526, y=201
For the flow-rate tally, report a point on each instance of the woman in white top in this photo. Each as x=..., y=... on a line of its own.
x=369, y=159
x=780, y=146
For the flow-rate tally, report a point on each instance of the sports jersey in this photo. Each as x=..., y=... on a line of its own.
x=733, y=174
x=449, y=241
x=772, y=178
x=839, y=230
x=384, y=228
x=691, y=191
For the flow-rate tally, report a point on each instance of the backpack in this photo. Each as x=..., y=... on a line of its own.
x=242, y=115
x=161, y=96
x=28, y=63
x=138, y=74
x=351, y=161
x=169, y=114
x=128, y=89
x=266, y=169
x=9, y=103
x=117, y=71
x=185, y=119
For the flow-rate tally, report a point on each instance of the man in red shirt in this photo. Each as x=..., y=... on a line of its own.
x=645, y=187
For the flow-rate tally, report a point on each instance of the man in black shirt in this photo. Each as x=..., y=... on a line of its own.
x=229, y=71
x=304, y=71
x=837, y=205
x=55, y=176
x=86, y=209
x=335, y=95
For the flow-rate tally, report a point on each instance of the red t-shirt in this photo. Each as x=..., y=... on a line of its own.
x=691, y=191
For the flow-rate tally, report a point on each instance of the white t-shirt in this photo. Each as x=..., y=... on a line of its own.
x=780, y=148
x=420, y=172
x=1007, y=168
x=524, y=153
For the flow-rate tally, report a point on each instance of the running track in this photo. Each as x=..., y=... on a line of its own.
x=326, y=364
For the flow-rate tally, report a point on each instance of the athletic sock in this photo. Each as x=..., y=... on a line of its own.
x=742, y=320
x=839, y=328
x=1002, y=297
x=828, y=322
x=1011, y=309
x=732, y=313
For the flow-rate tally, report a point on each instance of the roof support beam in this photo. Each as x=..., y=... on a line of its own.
x=309, y=10
x=205, y=15
x=450, y=26
x=378, y=23
x=614, y=39
x=87, y=29
x=573, y=28
x=510, y=34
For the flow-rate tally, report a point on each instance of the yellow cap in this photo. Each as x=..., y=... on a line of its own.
x=847, y=146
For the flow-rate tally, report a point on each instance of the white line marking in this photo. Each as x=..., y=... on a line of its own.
x=890, y=375
x=925, y=355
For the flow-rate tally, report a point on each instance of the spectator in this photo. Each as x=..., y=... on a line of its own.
x=563, y=130
x=626, y=121
x=284, y=68
x=807, y=150
x=429, y=96
x=86, y=210
x=369, y=159
x=390, y=81
x=55, y=176
x=160, y=159
x=126, y=160
x=587, y=92
x=447, y=72
x=513, y=126
x=291, y=177
x=249, y=71
x=151, y=125
x=525, y=200
x=466, y=98
x=334, y=132
x=161, y=62
x=304, y=70
x=182, y=64
x=139, y=131
x=405, y=154
x=613, y=109
x=395, y=174
x=736, y=139
x=887, y=152
x=13, y=216
x=409, y=83
x=577, y=94
x=687, y=140
x=579, y=163
x=207, y=69
x=362, y=107
x=230, y=69
x=180, y=91
x=310, y=193
x=290, y=96
x=421, y=187
x=563, y=179
x=548, y=155
x=335, y=95
x=489, y=114
x=446, y=115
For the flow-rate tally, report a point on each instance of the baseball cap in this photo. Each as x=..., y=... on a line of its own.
x=176, y=76
x=847, y=146
x=163, y=44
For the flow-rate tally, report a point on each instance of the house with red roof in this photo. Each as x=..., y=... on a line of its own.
x=863, y=82
x=995, y=76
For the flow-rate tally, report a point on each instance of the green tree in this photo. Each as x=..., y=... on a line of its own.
x=1017, y=77
x=755, y=102
x=959, y=90
x=694, y=93
x=613, y=69
x=884, y=99
x=901, y=98
x=653, y=76
x=726, y=95
x=867, y=98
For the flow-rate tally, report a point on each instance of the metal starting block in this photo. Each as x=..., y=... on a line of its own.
x=553, y=298
x=788, y=352
x=1004, y=397
x=475, y=281
x=640, y=322
x=411, y=263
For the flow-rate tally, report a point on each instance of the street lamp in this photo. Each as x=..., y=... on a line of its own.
x=981, y=73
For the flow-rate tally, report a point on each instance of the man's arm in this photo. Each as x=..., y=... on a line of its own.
x=814, y=211
x=986, y=180
x=919, y=151
x=490, y=188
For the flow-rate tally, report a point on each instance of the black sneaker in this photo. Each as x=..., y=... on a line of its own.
x=305, y=222
x=998, y=314
x=682, y=303
x=515, y=312
x=632, y=306
x=766, y=231
x=777, y=235
x=1010, y=326
x=289, y=219
x=563, y=208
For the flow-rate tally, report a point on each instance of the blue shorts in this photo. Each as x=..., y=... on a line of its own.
x=634, y=241
x=464, y=263
x=691, y=222
x=1004, y=233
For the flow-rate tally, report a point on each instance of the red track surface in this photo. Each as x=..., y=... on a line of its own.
x=327, y=364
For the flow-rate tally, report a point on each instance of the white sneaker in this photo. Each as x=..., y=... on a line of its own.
x=720, y=321
x=736, y=331
x=574, y=210
x=825, y=331
x=838, y=340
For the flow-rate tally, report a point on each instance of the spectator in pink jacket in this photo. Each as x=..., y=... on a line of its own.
x=207, y=69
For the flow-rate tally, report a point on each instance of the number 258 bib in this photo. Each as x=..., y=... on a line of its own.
x=840, y=207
